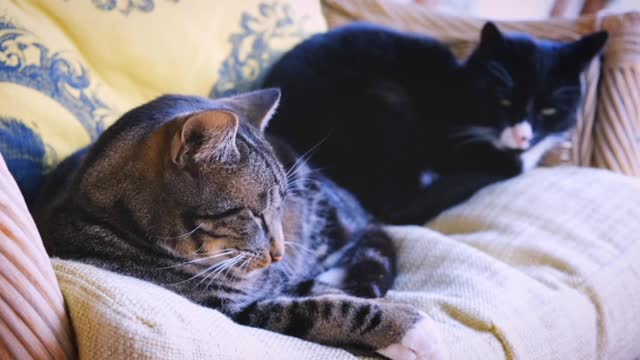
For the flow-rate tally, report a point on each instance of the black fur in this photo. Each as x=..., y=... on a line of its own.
x=379, y=107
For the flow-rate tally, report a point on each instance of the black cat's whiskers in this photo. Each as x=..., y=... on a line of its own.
x=500, y=72
x=566, y=91
x=470, y=134
x=478, y=138
x=565, y=107
x=465, y=130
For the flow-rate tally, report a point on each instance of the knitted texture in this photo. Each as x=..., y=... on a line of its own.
x=543, y=266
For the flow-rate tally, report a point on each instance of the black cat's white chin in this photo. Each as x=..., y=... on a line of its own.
x=516, y=137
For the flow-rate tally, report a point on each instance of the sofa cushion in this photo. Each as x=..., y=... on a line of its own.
x=68, y=69
x=544, y=266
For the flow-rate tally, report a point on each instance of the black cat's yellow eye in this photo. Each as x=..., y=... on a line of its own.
x=505, y=102
x=548, y=111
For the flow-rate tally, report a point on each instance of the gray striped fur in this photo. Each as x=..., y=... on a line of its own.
x=182, y=184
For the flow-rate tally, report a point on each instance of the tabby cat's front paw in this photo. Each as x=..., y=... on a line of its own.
x=420, y=342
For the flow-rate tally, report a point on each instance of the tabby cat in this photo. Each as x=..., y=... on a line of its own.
x=398, y=121
x=187, y=193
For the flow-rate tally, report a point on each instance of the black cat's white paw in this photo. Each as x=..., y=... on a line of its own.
x=421, y=342
x=533, y=155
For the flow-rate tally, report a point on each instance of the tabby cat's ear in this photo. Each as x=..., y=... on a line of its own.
x=490, y=35
x=578, y=54
x=257, y=107
x=208, y=136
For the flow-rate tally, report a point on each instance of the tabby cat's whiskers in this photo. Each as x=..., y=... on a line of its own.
x=287, y=268
x=242, y=267
x=298, y=247
x=198, y=274
x=303, y=160
x=209, y=256
x=181, y=236
x=224, y=267
x=221, y=264
x=301, y=251
x=302, y=182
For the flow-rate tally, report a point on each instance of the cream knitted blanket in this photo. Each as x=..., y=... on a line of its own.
x=544, y=266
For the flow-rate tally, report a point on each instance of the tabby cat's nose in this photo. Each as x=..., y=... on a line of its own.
x=276, y=256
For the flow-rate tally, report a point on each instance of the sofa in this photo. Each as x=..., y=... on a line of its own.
x=543, y=266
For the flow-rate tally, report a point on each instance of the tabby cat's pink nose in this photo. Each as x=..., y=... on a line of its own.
x=275, y=257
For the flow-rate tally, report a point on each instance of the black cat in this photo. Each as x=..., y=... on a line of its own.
x=381, y=109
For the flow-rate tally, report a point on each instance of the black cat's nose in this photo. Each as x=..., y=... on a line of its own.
x=521, y=134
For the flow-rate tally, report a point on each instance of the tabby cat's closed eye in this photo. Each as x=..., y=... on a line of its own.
x=214, y=223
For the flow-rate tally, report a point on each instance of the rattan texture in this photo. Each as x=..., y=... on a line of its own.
x=33, y=320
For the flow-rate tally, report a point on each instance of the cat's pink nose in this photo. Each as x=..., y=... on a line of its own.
x=276, y=257
x=522, y=134
x=524, y=139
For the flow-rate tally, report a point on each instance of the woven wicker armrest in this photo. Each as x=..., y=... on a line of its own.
x=33, y=322
x=608, y=129
x=616, y=136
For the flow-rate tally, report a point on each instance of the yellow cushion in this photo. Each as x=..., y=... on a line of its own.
x=69, y=68
x=544, y=266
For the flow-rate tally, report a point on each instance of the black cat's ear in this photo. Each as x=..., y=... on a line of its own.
x=257, y=107
x=208, y=136
x=490, y=35
x=578, y=54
